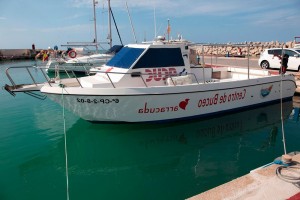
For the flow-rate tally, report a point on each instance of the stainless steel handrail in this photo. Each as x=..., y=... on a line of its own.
x=30, y=74
x=145, y=74
x=108, y=74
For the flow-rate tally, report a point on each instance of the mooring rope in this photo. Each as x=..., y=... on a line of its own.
x=281, y=109
x=65, y=136
x=281, y=113
x=292, y=177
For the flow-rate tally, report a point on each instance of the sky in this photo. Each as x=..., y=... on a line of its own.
x=47, y=23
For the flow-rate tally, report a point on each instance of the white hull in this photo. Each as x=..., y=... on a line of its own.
x=170, y=103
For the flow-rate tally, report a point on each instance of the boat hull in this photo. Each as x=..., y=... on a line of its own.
x=170, y=102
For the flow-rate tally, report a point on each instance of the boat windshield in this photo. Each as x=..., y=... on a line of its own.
x=125, y=57
x=298, y=50
x=160, y=57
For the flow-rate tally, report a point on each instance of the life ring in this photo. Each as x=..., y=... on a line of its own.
x=72, y=54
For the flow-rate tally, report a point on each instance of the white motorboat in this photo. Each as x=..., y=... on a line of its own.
x=82, y=63
x=155, y=82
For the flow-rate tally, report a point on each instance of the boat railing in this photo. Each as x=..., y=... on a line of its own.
x=142, y=75
x=62, y=69
x=70, y=74
x=67, y=72
x=27, y=68
x=242, y=50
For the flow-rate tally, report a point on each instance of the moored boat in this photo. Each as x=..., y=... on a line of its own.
x=155, y=82
x=81, y=64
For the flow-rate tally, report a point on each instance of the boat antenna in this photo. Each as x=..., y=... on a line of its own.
x=109, y=25
x=95, y=24
x=131, y=23
x=168, y=30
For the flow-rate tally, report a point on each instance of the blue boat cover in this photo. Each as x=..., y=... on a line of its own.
x=125, y=57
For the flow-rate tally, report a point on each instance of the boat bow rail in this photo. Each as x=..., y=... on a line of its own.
x=34, y=82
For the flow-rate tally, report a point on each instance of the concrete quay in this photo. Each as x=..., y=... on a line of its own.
x=261, y=183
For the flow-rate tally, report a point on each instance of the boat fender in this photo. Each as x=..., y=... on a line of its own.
x=72, y=54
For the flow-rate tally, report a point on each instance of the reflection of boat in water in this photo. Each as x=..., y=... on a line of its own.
x=295, y=115
x=170, y=154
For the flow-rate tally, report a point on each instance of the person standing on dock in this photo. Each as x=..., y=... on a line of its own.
x=284, y=62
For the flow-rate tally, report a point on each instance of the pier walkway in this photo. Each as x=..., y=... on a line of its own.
x=261, y=183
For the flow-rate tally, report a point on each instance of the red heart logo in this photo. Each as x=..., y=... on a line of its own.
x=183, y=104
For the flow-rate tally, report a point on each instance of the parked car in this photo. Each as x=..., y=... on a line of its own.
x=269, y=58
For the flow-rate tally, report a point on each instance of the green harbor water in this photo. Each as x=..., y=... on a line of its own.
x=130, y=161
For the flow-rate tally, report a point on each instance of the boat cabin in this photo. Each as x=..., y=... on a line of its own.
x=144, y=65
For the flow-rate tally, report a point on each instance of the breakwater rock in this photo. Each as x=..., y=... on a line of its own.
x=16, y=54
x=255, y=48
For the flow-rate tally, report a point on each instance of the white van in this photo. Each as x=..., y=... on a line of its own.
x=268, y=58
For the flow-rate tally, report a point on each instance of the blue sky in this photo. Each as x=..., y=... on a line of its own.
x=56, y=22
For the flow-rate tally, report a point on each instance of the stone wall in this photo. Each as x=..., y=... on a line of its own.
x=255, y=48
x=237, y=50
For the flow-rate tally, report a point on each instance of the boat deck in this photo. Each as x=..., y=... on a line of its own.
x=261, y=183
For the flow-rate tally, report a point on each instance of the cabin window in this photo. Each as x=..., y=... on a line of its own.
x=160, y=57
x=125, y=57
